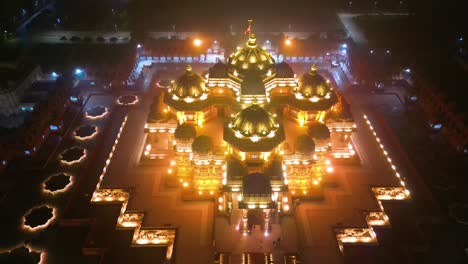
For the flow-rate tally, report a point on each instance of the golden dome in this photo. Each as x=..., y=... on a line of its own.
x=252, y=84
x=313, y=84
x=251, y=57
x=189, y=85
x=254, y=121
x=283, y=70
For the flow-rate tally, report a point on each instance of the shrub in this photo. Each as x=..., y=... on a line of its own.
x=202, y=145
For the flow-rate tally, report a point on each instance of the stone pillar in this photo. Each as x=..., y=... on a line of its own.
x=245, y=226
x=266, y=215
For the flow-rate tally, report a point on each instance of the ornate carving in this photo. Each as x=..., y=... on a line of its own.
x=155, y=236
x=391, y=193
x=130, y=219
x=356, y=235
x=110, y=195
x=377, y=219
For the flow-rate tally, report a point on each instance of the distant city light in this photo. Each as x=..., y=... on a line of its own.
x=344, y=46
x=288, y=42
x=461, y=39
x=197, y=42
x=139, y=46
x=74, y=99
x=78, y=71
x=372, y=51
x=54, y=74
x=408, y=70
x=388, y=51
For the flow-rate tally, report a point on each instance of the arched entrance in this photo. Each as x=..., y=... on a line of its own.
x=255, y=217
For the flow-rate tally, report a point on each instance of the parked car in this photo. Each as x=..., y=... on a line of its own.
x=435, y=125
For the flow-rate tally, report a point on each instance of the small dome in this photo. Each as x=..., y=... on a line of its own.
x=313, y=84
x=283, y=70
x=254, y=121
x=252, y=84
x=189, y=85
x=219, y=70
x=251, y=57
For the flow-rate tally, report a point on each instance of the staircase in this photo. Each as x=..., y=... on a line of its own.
x=257, y=258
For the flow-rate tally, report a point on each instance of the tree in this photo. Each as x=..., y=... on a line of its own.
x=318, y=131
x=202, y=145
x=185, y=132
x=305, y=144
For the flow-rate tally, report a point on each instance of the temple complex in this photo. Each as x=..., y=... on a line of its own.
x=273, y=134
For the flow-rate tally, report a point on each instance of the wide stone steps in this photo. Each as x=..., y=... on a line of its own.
x=256, y=258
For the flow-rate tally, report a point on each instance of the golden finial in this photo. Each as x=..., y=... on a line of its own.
x=313, y=69
x=252, y=41
x=188, y=68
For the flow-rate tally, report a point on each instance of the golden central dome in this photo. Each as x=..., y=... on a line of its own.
x=313, y=84
x=254, y=121
x=189, y=85
x=251, y=57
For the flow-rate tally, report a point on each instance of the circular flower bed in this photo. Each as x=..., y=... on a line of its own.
x=58, y=183
x=96, y=112
x=39, y=217
x=85, y=132
x=20, y=255
x=73, y=155
x=127, y=100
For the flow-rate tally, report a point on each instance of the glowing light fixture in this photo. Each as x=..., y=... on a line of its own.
x=197, y=42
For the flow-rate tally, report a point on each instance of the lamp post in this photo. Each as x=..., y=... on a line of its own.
x=197, y=42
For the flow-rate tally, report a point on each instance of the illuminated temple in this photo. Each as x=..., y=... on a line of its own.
x=250, y=133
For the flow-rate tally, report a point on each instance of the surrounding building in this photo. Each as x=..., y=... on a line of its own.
x=15, y=78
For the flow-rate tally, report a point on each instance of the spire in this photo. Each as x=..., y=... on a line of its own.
x=252, y=40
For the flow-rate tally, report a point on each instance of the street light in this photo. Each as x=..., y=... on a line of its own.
x=78, y=71
x=54, y=74
x=288, y=41
x=197, y=42
x=139, y=46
